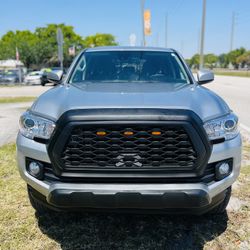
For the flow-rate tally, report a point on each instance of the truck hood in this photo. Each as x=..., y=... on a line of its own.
x=205, y=103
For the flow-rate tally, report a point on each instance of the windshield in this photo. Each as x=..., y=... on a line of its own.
x=129, y=66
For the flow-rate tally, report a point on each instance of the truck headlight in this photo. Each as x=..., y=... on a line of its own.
x=225, y=127
x=32, y=126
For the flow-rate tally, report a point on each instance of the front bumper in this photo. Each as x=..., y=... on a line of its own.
x=179, y=201
x=151, y=196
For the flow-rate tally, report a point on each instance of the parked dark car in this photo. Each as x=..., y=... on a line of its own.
x=1, y=75
x=10, y=76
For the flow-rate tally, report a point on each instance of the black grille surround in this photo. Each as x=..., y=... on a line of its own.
x=181, y=150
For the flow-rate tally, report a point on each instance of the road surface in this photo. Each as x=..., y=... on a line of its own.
x=10, y=113
x=234, y=90
x=9, y=117
x=15, y=91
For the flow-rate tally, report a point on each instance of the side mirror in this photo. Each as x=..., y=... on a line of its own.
x=204, y=76
x=55, y=76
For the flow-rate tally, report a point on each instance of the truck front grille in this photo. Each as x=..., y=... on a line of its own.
x=133, y=146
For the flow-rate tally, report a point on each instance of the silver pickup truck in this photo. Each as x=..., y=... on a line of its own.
x=129, y=128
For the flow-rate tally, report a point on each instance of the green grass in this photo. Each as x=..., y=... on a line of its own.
x=233, y=73
x=21, y=228
x=247, y=149
x=246, y=171
x=18, y=224
x=17, y=99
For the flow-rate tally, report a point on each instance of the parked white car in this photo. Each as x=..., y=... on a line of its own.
x=33, y=78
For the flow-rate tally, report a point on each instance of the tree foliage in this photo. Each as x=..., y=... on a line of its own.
x=244, y=59
x=234, y=54
x=39, y=48
x=99, y=40
x=211, y=60
x=195, y=61
x=46, y=49
x=223, y=60
x=237, y=57
x=24, y=41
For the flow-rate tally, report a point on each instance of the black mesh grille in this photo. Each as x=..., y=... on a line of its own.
x=133, y=146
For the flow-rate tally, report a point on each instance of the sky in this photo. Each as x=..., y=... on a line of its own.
x=123, y=18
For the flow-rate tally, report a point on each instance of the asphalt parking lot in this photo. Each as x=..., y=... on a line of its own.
x=236, y=92
x=10, y=112
x=15, y=91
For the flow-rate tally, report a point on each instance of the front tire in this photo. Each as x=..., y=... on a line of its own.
x=36, y=204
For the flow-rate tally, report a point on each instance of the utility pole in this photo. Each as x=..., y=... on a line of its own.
x=166, y=30
x=232, y=31
x=142, y=16
x=199, y=42
x=203, y=26
x=59, y=37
